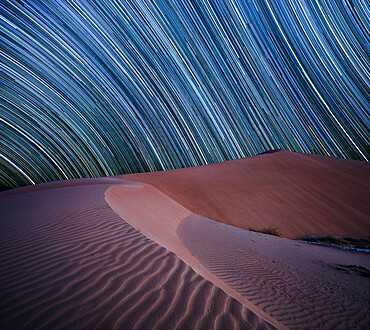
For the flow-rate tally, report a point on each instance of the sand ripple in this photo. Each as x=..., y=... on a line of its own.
x=68, y=261
x=298, y=285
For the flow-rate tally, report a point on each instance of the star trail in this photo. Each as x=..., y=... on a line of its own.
x=98, y=88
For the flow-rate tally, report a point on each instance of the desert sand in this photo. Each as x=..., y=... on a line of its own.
x=68, y=261
x=112, y=253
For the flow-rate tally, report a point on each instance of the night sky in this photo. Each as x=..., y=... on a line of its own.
x=98, y=88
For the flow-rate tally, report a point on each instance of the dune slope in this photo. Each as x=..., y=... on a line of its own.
x=68, y=261
x=298, y=194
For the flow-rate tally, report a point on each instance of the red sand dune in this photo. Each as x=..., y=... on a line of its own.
x=297, y=193
x=110, y=253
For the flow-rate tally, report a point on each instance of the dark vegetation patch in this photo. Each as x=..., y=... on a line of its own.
x=358, y=243
x=268, y=231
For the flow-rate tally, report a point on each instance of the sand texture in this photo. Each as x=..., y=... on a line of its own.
x=158, y=217
x=304, y=287
x=69, y=262
x=297, y=193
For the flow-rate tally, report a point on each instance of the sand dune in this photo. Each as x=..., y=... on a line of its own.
x=111, y=253
x=68, y=261
x=297, y=193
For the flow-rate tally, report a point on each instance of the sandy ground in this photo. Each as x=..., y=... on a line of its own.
x=69, y=262
x=297, y=193
x=301, y=286
x=111, y=253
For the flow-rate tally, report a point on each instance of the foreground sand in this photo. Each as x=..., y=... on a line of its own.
x=111, y=253
x=68, y=261
x=302, y=287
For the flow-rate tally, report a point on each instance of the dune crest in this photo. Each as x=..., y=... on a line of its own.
x=158, y=217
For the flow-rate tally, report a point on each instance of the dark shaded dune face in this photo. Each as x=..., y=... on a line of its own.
x=298, y=194
x=68, y=261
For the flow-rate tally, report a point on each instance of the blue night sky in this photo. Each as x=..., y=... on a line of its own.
x=98, y=88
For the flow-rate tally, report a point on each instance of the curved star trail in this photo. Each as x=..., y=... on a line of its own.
x=109, y=87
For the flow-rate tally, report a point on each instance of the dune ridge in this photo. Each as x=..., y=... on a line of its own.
x=158, y=217
x=68, y=261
